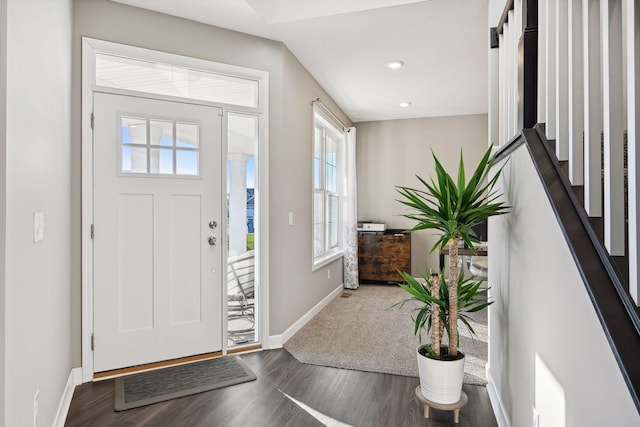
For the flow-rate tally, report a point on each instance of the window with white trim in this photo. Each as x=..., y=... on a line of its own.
x=328, y=143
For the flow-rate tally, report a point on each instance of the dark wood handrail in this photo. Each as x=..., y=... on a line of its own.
x=504, y=18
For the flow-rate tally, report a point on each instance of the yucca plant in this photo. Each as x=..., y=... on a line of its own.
x=432, y=313
x=453, y=207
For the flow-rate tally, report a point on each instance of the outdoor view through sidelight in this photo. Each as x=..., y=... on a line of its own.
x=241, y=166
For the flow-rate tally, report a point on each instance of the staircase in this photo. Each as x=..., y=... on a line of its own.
x=566, y=82
x=618, y=314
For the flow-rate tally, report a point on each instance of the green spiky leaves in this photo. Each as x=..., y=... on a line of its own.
x=451, y=206
x=471, y=298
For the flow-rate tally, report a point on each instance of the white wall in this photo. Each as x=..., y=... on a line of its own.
x=542, y=309
x=496, y=7
x=37, y=351
x=291, y=246
x=392, y=152
x=3, y=198
x=294, y=289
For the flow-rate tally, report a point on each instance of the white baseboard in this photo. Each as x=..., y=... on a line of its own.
x=278, y=341
x=496, y=403
x=75, y=378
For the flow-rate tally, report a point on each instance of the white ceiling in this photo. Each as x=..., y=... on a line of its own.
x=345, y=45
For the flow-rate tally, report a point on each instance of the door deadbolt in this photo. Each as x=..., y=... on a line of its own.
x=213, y=225
x=212, y=241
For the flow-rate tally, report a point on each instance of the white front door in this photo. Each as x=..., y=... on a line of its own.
x=158, y=230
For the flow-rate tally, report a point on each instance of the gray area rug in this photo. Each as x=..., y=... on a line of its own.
x=156, y=386
x=361, y=332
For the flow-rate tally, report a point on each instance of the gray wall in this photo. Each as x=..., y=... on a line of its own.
x=294, y=289
x=392, y=152
x=38, y=351
x=3, y=199
x=542, y=308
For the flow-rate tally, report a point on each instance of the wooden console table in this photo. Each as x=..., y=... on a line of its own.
x=381, y=255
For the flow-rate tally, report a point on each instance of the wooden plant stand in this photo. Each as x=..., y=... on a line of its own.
x=455, y=407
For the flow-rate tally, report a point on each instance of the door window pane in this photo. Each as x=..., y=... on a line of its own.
x=159, y=147
x=187, y=135
x=134, y=130
x=187, y=162
x=134, y=160
x=161, y=161
x=161, y=133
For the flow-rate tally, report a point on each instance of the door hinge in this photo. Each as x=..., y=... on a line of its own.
x=93, y=121
x=93, y=342
x=93, y=231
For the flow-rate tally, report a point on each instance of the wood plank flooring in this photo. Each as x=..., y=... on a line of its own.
x=352, y=397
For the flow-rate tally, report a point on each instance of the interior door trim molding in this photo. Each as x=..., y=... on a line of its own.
x=89, y=49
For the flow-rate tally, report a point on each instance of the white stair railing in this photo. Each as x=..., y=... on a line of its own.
x=588, y=85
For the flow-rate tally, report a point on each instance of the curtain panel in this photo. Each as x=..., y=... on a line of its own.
x=350, y=218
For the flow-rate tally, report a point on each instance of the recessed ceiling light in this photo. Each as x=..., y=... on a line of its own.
x=394, y=65
x=405, y=104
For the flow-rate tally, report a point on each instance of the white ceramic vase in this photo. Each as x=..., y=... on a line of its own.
x=441, y=380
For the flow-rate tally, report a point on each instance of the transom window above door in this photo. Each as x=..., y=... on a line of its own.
x=118, y=72
x=154, y=146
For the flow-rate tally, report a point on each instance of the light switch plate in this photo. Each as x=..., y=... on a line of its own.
x=38, y=226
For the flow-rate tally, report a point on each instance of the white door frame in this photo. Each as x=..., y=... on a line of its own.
x=89, y=49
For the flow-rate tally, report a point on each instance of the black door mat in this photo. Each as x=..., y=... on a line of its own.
x=156, y=386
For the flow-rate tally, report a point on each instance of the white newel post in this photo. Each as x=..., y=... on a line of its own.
x=237, y=203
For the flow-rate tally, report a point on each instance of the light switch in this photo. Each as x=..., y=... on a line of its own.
x=290, y=218
x=38, y=226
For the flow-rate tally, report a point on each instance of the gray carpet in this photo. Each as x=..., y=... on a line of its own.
x=362, y=333
x=156, y=386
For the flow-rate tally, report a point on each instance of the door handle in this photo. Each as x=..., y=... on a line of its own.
x=212, y=241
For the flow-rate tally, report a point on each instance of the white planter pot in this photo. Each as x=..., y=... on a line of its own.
x=441, y=380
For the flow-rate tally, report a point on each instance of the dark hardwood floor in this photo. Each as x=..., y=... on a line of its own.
x=351, y=397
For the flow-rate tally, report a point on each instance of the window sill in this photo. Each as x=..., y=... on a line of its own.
x=327, y=259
